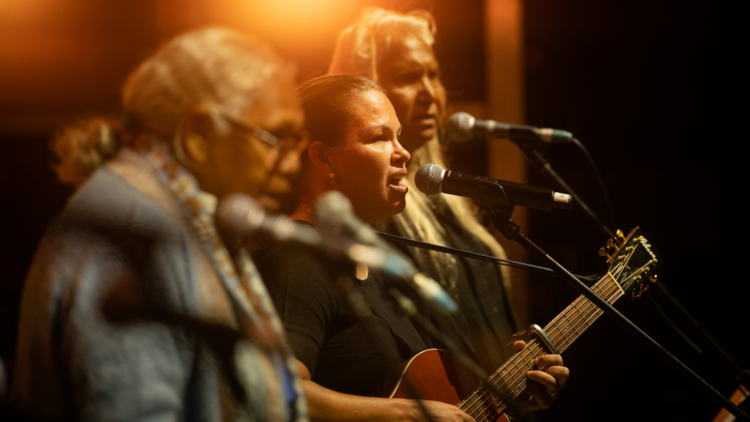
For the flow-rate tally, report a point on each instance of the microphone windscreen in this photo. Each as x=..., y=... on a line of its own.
x=429, y=179
x=238, y=214
x=460, y=126
x=332, y=211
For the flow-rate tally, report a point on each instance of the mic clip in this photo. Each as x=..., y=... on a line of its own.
x=496, y=203
x=502, y=222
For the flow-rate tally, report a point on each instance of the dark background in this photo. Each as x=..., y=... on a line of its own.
x=652, y=88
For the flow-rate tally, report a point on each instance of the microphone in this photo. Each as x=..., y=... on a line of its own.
x=432, y=179
x=334, y=213
x=463, y=126
x=241, y=215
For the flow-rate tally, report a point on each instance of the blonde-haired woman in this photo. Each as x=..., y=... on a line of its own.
x=210, y=113
x=396, y=51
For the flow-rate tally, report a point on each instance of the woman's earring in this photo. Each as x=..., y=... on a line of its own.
x=331, y=175
x=179, y=151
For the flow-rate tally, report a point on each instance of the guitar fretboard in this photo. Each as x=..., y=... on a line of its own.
x=563, y=331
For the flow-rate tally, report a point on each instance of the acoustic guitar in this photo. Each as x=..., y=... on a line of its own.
x=435, y=377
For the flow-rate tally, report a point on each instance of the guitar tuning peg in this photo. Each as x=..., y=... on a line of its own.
x=603, y=252
x=620, y=235
x=611, y=244
x=652, y=278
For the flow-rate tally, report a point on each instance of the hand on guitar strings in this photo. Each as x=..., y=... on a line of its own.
x=544, y=383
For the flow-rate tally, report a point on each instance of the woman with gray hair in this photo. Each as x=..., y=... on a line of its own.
x=211, y=113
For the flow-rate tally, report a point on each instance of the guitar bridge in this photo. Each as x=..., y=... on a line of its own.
x=535, y=331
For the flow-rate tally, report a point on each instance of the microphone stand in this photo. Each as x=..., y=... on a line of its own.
x=477, y=256
x=541, y=165
x=509, y=229
x=463, y=253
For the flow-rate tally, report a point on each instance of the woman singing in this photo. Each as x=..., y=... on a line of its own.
x=396, y=51
x=354, y=148
x=211, y=113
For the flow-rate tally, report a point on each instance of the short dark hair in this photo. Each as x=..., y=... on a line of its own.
x=327, y=101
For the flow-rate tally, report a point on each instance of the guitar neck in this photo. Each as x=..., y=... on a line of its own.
x=563, y=331
x=581, y=314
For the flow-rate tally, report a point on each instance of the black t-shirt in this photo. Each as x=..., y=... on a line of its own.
x=485, y=321
x=322, y=330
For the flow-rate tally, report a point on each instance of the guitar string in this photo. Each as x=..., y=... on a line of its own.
x=592, y=309
x=478, y=402
x=587, y=312
x=590, y=312
x=584, y=308
x=581, y=303
x=491, y=409
x=585, y=320
x=517, y=383
x=514, y=377
x=555, y=332
x=496, y=405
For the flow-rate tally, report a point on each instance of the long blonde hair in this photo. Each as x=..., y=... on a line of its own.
x=216, y=67
x=358, y=50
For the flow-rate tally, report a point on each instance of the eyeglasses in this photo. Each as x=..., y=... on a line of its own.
x=287, y=143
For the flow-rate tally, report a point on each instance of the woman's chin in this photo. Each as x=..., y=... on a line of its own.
x=398, y=207
x=394, y=207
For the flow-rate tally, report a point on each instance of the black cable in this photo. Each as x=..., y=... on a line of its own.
x=727, y=357
x=540, y=164
x=674, y=325
x=599, y=179
x=466, y=254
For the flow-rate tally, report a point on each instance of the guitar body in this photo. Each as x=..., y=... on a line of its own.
x=435, y=376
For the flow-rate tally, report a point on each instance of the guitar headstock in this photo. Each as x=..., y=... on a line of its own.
x=633, y=261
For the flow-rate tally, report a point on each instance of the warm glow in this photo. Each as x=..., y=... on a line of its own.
x=290, y=21
x=29, y=12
